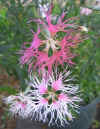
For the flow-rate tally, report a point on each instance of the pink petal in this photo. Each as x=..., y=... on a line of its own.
x=42, y=89
x=43, y=101
x=36, y=41
x=21, y=105
x=57, y=85
x=63, y=97
x=56, y=104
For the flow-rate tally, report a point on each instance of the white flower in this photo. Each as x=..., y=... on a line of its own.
x=51, y=99
x=19, y=105
x=54, y=98
x=85, y=11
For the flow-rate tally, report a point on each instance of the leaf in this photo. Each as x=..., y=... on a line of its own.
x=3, y=12
x=7, y=89
x=21, y=76
x=57, y=9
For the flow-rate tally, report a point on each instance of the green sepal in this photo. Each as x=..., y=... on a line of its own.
x=50, y=101
x=49, y=88
x=58, y=92
x=45, y=95
x=50, y=52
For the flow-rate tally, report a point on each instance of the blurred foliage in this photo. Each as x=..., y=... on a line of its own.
x=89, y=60
x=15, y=30
x=8, y=90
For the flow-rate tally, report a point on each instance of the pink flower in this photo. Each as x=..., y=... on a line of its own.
x=60, y=48
x=85, y=11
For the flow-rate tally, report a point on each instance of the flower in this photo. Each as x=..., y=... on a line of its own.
x=50, y=99
x=54, y=98
x=44, y=53
x=85, y=11
x=19, y=105
x=83, y=28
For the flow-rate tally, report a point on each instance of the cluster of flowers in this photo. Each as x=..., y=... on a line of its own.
x=52, y=96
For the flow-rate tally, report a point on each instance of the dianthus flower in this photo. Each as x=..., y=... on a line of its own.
x=85, y=11
x=54, y=99
x=44, y=53
x=19, y=105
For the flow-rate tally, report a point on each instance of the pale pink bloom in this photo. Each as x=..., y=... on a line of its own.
x=85, y=11
x=53, y=96
x=19, y=105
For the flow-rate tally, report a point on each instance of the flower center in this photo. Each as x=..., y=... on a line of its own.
x=51, y=95
x=51, y=44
